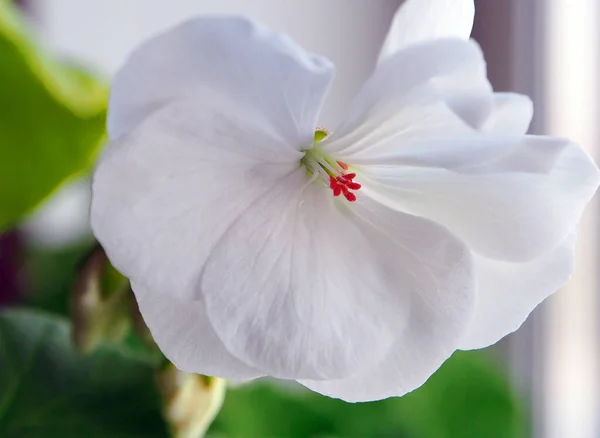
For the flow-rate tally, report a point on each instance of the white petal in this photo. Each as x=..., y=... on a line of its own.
x=169, y=197
x=422, y=134
x=305, y=285
x=512, y=114
x=406, y=368
x=182, y=331
x=216, y=58
x=436, y=318
x=424, y=20
x=514, y=208
x=508, y=292
x=442, y=82
x=163, y=195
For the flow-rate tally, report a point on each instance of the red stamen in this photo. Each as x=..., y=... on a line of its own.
x=343, y=165
x=342, y=184
x=332, y=183
x=351, y=197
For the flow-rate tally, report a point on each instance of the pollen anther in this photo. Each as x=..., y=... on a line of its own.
x=343, y=184
x=342, y=165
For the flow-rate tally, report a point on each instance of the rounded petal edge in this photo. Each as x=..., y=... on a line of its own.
x=423, y=20
x=438, y=321
x=514, y=207
x=164, y=194
x=509, y=292
x=211, y=57
x=447, y=76
x=512, y=114
x=184, y=335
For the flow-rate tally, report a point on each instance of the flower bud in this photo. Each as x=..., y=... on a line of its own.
x=99, y=303
x=190, y=401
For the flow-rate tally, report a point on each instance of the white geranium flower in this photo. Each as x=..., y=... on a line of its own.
x=356, y=264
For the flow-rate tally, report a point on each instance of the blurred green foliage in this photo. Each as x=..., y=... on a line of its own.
x=47, y=390
x=51, y=120
x=467, y=398
x=50, y=274
x=51, y=128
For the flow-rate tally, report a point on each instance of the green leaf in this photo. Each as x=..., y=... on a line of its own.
x=467, y=398
x=48, y=391
x=51, y=121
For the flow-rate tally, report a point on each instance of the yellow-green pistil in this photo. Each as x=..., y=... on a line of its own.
x=330, y=171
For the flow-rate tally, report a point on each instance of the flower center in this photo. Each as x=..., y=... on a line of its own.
x=331, y=172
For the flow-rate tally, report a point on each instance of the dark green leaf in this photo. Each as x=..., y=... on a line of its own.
x=48, y=391
x=50, y=275
x=467, y=398
x=51, y=121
